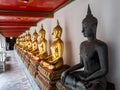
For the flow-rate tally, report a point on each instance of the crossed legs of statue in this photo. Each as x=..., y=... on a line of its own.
x=73, y=82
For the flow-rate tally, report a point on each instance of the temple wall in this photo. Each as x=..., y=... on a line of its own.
x=70, y=17
x=2, y=42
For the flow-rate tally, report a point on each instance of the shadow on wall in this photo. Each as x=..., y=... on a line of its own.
x=67, y=46
x=112, y=58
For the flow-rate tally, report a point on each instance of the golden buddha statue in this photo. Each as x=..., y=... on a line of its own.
x=24, y=42
x=16, y=43
x=55, y=60
x=29, y=43
x=17, y=46
x=34, y=43
x=21, y=40
x=42, y=45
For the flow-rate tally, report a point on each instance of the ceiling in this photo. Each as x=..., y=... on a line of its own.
x=17, y=16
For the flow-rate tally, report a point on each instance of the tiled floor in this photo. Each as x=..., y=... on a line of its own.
x=14, y=77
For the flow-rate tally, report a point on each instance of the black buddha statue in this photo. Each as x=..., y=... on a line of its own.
x=93, y=60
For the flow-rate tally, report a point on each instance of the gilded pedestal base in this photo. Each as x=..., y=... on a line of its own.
x=34, y=63
x=44, y=83
x=60, y=86
x=32, y=70
x=52, y=74
x=27, y=61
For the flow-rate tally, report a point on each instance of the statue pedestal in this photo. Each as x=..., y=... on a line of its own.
x=47, y=78
x=44, y=83
x=27, y=61
x=110, y=86
x=34, y=67
x=52, y=74
x=23, y=53
x=35, y=63
x=32, y=70
x=60, y=86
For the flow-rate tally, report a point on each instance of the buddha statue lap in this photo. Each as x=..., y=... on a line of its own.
x=94, y=59
x=55, y=60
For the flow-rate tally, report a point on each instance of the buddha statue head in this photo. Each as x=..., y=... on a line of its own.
x=29, y=36
x=17, y=41
x=41, y=33
x=34, y=36
x=89, y=24
x=25, y=37
x=57, y=31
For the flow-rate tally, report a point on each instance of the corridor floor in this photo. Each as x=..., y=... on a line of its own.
x=14, y=77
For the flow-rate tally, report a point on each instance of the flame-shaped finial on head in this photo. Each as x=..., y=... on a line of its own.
x=89, y=10
x=42, y=26
x=89, y=19
x=58, y=27
x=57, y=22
x=29, y=33
x=35, y=34
x=42, y=30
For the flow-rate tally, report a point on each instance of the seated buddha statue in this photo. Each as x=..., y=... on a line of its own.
x=29, y=43
x=25, y=42
x=18, y=46
x=16, y=43
x=55, y=60
x=21, y=42
x=93, y=60
x=34, y=44
x=42, y=44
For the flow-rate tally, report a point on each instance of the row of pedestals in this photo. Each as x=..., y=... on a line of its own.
x=46, y=79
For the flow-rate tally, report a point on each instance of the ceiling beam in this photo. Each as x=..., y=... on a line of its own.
x=18, y=24
x=14, y=27
x=26, y=13
x=12, y=34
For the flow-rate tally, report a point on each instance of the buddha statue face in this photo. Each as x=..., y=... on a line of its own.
x=89, y=30
x=34, y=38
x=41, y=34
x=55, y=33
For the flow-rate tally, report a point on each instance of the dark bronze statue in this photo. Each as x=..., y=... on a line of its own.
x=93, y=58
